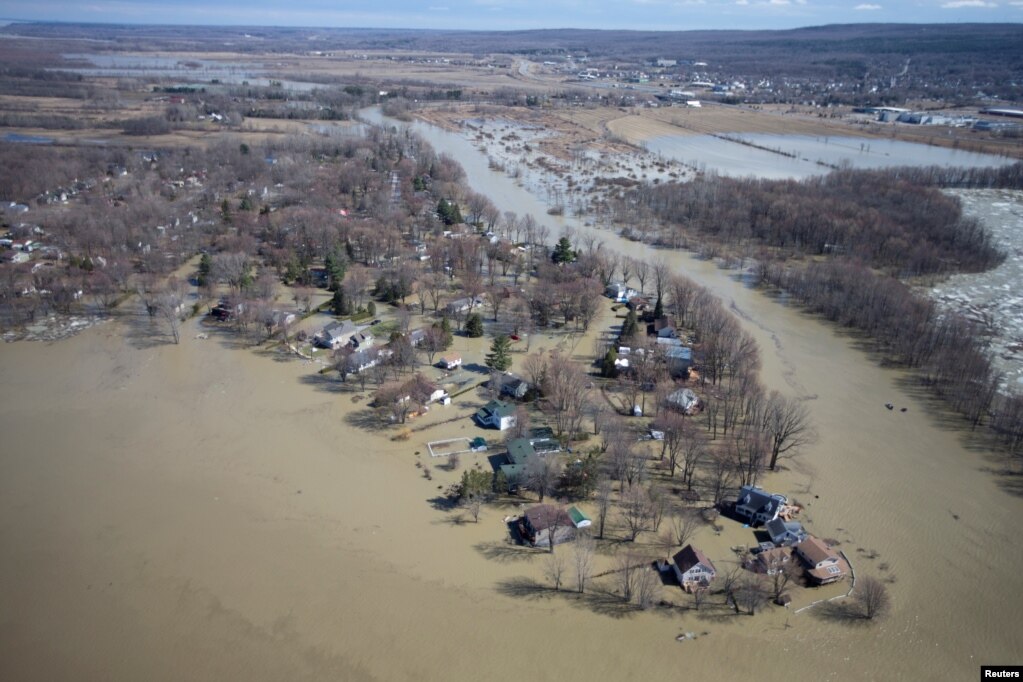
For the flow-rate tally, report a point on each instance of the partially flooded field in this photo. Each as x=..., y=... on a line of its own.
x=800, y=156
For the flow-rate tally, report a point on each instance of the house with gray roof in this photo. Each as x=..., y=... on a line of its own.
x=785, y=533
x=758, y=505
x=522, y=450
x=335, y=335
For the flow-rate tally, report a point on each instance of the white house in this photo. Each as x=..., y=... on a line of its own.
x=693, y=569
x=450, y=361
x=496, y=414
x=620, y=292
x=335, y=335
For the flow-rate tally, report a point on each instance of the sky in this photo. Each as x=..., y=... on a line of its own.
x=667, y=15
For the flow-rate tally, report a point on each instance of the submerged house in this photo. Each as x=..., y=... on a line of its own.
x=522, y=450
x=546, y=524
x=693, y=569
x=758, y=505
x=785, y=533
x=771, y=561
x=823, y=564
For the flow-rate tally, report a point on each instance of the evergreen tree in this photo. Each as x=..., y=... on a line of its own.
x=499, y=357
x=659, y=309
x=475, y=483
x=449, y=336
x=339, y=304
x=500, y=482
x=371, y=308
x=630, y=326
x=205, y=267
x=608, y=368
x=563, y=252
x=335, y=266
x=449, y=212
x=474, y=326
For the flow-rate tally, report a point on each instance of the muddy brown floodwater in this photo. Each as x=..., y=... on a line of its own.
x=201, y=512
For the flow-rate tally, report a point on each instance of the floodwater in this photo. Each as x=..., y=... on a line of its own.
x=207, y=512
x=203, y=71
x=800, y=156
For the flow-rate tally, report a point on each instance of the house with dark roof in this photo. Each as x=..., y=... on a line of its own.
x=416, y=337
x=758, y=505
x=514, y=386
x=521, y=451
x=546, y=524
x=496, y=414
x=822, y=563
x=693, y=569
x=785, y=533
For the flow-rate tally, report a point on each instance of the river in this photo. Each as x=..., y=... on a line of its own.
x=907, y=485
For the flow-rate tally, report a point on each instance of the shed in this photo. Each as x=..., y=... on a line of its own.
x=578, y=518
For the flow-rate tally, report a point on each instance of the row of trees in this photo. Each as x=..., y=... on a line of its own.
x=883, y=219
x=948, y=350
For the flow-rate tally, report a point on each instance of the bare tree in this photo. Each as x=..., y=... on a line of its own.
x=473, y=504
x=871, y=596
x=566, y=389
x=603, y=499
x=684, y=525
x=541, y=474
x=642, y=270
x=625, y=568
x=782, y=577
x=751, y=593
x=636, y=511
x=647, y=586
x=554, y=568
x=582, y=560
x=170, y=307
x=787, y=423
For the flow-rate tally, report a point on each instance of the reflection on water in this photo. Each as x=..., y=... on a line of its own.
x=800, y=156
